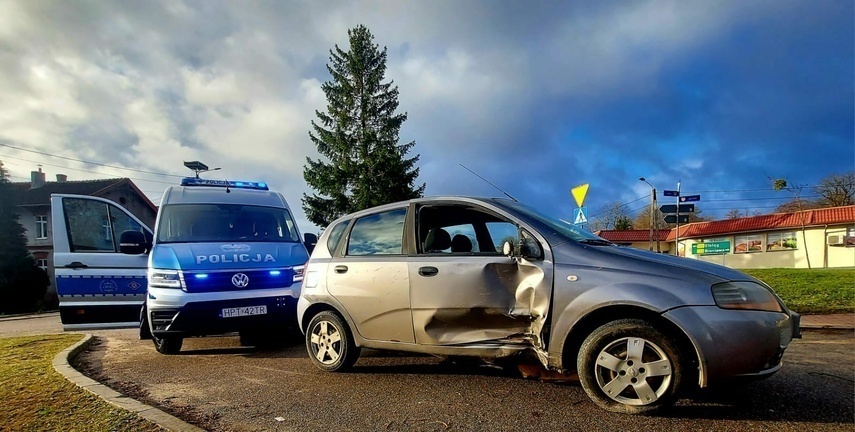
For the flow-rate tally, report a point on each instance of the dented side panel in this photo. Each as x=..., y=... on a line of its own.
x=477, y=299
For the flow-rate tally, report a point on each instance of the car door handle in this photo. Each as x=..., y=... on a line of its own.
x=76, y=265
x=340, y=269
x=428, y=271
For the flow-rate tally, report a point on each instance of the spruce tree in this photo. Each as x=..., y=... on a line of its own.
x=358, y=136
x=22, y=284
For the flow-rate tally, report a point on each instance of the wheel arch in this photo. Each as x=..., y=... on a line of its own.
x=317, y=308
x=596, y=318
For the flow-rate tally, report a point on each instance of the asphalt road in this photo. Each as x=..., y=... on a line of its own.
x=219, y=385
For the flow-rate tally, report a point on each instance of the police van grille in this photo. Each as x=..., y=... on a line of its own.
x=222, y=281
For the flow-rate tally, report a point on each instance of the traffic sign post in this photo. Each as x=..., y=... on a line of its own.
x=677, y=219
x=580, y=214
x=675, y=208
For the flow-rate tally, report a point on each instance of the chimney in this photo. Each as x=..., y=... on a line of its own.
x=37, y=178
x=61, y=178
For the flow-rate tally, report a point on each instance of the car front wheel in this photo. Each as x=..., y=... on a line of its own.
x=629, y=366
x=330, y=343
x=167, y=344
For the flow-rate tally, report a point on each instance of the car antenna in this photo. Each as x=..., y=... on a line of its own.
x=488, y=182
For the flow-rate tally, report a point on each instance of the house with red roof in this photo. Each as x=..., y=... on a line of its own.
x=765, y=241
x=639, y=239
x=33, y=206
x=824, y=237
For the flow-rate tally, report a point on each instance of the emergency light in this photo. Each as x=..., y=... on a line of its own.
x=190, y=181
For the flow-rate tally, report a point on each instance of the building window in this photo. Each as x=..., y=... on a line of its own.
x=850, y=237
x=42, y=264
x=748, y=243
x=781, y=241
x=41, y=227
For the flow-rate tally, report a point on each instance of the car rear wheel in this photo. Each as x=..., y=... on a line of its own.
x=330, y=343
x=167, y=344
x=629, y=366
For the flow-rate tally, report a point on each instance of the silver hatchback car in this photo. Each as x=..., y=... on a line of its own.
x=493, y=278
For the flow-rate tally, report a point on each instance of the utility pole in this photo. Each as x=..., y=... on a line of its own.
x=652, y=216
x=677, y=244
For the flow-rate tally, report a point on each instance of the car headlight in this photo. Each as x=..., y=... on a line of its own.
x=745, y=295
x=166, y=279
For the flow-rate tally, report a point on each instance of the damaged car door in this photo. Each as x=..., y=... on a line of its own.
x=464, y=290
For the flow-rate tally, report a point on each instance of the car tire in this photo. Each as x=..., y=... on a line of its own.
x=628, y=366
x=168, y=344
x=329, y=343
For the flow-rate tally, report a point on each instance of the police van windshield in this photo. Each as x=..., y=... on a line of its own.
x=194, y=223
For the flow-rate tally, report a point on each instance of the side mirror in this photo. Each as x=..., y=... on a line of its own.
x=133, y=243
x=310, y=241
x=528, y=249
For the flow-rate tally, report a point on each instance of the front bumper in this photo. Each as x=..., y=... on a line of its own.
x=734, y=343
x=205, y=317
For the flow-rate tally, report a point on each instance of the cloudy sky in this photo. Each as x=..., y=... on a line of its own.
x=537, y=97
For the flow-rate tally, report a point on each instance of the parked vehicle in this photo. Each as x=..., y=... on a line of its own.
x=224, y=257
x=493, y=278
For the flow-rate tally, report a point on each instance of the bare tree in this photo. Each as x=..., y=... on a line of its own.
x=734, y=214
x=610, y=217
x=836, y=190
x=796, y=190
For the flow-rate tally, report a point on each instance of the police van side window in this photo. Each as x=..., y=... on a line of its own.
x=95, y=226
x=378, y=234
x=335, y=236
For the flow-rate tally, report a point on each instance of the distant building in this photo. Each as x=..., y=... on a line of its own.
x=765, y=241
x=34, y=209
x=776, y=240
x=638, y=239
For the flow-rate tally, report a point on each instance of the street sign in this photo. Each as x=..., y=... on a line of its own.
x=711, y=248
x=671, y=193
x=672, y=208
x=672, y=218
x=580, y=216
x=579, y=193
x=689, y=198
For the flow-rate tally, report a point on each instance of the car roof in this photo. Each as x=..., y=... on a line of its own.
x=218, y=195
x=425, y=200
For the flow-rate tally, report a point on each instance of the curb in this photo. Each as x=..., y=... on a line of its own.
x=825, y=327
x=150, y=413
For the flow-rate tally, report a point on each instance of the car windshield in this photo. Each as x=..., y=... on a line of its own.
x=561, y=227
x=194, y=223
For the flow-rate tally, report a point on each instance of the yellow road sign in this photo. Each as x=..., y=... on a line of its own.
x=579, y=193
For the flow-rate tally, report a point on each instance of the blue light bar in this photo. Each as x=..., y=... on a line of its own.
x=192, y=181
x=201, y=276
x=275, y=272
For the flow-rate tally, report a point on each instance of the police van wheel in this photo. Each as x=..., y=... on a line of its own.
x=167, y=345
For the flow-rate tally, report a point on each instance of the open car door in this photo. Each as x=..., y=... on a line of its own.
x=98, y=286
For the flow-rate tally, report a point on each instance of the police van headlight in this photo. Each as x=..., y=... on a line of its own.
x=298, y=273
x=166, y=279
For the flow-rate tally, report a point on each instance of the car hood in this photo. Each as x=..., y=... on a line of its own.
x=641, y=261
x=224, y=256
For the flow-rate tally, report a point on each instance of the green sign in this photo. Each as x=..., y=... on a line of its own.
x=711, y=248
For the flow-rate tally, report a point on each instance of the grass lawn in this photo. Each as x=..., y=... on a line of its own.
x=37, y=398
x=812, y=291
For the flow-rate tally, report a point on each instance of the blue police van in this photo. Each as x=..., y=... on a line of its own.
x=225, y=256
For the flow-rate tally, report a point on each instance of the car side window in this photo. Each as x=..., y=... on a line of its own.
x=335, y=236
x=95, y=226
x=500, y=232
x=378, y=234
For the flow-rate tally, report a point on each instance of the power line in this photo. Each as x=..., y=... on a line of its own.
x=76, y=169
x=92, y=163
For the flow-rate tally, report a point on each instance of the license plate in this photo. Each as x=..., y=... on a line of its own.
x=243, y=311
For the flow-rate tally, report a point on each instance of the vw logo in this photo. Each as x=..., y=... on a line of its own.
x=240, y=280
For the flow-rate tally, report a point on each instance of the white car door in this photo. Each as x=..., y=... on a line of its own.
x=98, y=286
